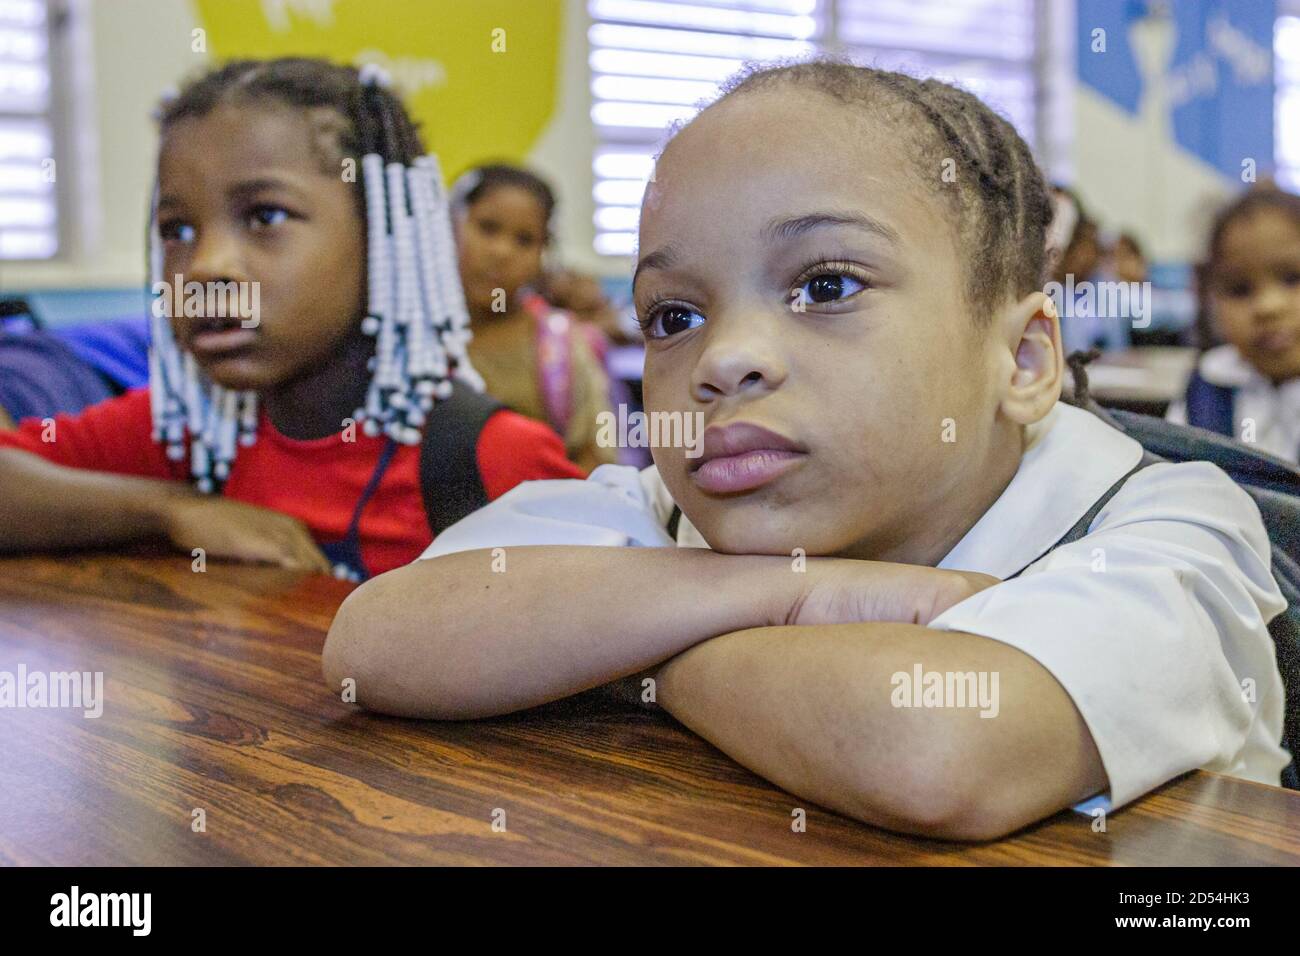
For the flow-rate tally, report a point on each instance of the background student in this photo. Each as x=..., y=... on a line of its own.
x=532, y=356
x=1248, y=386
x=298, y=438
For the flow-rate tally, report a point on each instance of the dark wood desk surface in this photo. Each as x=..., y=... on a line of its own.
x=214, y=700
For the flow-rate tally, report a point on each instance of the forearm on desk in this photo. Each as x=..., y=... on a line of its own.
x=451, y=638
x=46, y=506
x=810, y=708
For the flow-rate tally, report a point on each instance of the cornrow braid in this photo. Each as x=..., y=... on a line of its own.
x=1002, y=200
x=415, y=305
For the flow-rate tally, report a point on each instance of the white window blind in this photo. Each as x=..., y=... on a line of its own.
x=1286, y=113
x=654, y=61
x=28, y=199
x=986, y=46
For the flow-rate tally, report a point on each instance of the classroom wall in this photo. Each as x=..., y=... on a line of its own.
x=138, y=48
x=1174, y=114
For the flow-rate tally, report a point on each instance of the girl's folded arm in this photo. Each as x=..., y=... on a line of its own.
x=450, y=637
x=815, y=709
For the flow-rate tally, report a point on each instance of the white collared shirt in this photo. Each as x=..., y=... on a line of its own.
x=1153, y=623
x=1264, y=414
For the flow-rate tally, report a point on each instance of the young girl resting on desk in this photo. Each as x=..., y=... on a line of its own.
x=302, y=427
x=1248, y=388
x=879, y=373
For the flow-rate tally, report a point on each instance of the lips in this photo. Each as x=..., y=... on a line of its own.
x=1277, y=340
x=743, y=456
x=217, y=336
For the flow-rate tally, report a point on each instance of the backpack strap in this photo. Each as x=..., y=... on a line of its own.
x=449, y=477
x=1211, y=406
x=673, y=521
x=345, y=554
x=554, y=361
x=1081, y=526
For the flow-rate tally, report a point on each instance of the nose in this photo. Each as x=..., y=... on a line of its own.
x=500, y=251
x=741, y=356
x=217, y=258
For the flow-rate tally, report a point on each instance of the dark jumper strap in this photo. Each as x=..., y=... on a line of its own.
x=1210, y=406
x=1081, y=526
x=674, y=520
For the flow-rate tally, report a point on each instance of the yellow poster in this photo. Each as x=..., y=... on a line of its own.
x=479, y=76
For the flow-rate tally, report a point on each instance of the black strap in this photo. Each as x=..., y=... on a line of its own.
x=1081, y=526
x=449, y=477
x=345, y=554
x=674, y=521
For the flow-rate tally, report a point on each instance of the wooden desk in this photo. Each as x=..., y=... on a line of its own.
x=214, y=700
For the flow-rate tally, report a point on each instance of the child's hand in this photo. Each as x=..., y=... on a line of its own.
x=231, y=529
x=842, y=591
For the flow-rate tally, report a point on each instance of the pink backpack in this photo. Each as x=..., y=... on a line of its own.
x=555, y=329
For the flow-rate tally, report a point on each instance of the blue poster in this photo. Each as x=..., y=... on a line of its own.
x=1203, y=69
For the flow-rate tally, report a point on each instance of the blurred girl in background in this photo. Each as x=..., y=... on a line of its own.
x=1248, y=387
x=533, y=357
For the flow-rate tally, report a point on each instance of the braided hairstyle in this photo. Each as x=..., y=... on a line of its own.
x=477, y=183
x=415, y=306
x=1002, y=201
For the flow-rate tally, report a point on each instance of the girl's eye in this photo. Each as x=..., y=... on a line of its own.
x=1291, y=278
x=669, y=320
x=828, y=287
x=1237, y=290
x=266, y=216
x=175, y=231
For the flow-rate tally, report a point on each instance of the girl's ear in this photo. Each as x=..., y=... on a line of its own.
x=1033, y=375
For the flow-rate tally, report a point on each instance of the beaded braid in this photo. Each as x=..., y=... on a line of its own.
x=416, y=308
x=1005, y=206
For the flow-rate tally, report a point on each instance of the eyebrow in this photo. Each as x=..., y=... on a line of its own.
x=786, y=229
x=242, y=190
x=664, y=258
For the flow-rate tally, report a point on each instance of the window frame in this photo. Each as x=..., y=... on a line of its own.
x=55, y=118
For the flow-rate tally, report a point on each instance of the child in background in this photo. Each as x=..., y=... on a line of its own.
x=533, y=357
x=1248, y=388
x=892, y=509
x=1079, y=260
x=299, y=437
x=1128, y=260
